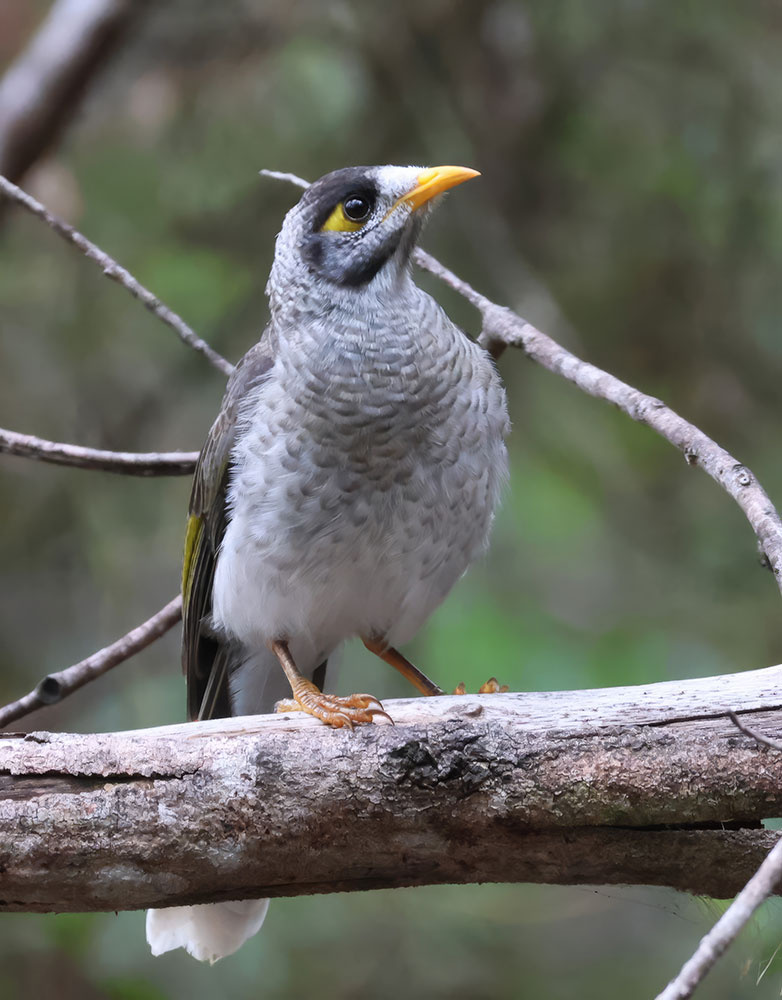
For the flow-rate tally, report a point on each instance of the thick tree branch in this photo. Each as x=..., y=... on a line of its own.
x=643, y=785
x=55, y=687
x=41, y=91
x=128, y=463
x=117, y=273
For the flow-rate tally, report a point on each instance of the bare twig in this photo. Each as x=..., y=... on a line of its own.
x=503, y=328
x=727, y=929
x=128, y=463
x=55, y=687
x=117, y=273
x=279, y=175
x=765, y=741
x=41, y=91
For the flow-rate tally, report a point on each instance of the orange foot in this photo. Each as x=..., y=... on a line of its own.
x=354, y=710
x=492, y=686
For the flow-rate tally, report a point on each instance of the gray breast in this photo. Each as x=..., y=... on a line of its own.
x=369, y=464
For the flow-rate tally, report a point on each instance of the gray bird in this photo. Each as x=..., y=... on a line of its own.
x=349, y=480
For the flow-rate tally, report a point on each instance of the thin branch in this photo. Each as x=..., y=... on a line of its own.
x=503, y=328
x=765, y=741
x=727, y=929
x=279, y=175
x=127, y=463
x=55, y=687
x=117, y=273
x=41, y=91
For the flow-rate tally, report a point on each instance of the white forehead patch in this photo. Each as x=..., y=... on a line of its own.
x=397, y=181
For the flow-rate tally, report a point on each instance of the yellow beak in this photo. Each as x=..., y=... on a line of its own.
x=433, y=182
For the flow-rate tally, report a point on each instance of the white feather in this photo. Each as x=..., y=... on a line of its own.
x=208, y=932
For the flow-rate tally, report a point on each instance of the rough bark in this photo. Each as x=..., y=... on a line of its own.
x=648, y=785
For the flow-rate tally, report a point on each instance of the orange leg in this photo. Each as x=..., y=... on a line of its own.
x=395, y=659
x=334, y=711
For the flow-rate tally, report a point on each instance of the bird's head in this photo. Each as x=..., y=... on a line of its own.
x=357, y=226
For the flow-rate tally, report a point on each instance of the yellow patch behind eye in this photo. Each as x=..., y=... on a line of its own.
x=338, y=222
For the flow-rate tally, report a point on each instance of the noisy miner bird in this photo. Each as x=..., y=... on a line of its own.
x=349, y=480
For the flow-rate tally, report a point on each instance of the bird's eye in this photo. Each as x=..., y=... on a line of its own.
x=356, y=208
x=349, y=215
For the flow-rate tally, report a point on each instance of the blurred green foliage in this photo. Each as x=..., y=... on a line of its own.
x=630, y=206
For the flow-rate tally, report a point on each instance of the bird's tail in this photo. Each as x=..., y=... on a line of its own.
x=211, y=931
x=208, y=931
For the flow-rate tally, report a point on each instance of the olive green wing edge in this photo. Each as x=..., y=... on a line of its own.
x=205, y=658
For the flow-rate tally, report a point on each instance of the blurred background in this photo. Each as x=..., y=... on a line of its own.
x=630, y=206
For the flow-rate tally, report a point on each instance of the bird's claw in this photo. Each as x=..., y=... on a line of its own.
x=334, y=710
x=491, y=686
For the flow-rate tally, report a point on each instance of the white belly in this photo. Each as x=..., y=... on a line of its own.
x=314, y=562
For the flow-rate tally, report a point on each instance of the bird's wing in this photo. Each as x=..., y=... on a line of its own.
x=205, y=659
